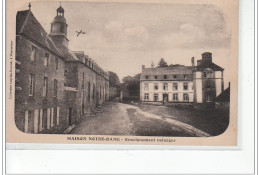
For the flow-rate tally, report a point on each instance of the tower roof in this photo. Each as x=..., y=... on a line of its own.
x=28, y=26
x=59, y=19
x=60, y=10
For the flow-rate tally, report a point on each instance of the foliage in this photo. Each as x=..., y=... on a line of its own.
x=162, y=63
x=113, y=80
x=132, y=84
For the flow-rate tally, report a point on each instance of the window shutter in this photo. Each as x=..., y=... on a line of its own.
x=48, y=118
x=58, y=115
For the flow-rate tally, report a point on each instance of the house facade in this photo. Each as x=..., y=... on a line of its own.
x=182, y=84
x=54, y=86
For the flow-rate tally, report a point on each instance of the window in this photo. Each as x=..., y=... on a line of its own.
x=155, y=97
x=185, y=86
x=93, y=91
x=146, y=96
x=175, y=76
x=54, y=116
x=175, y=97
x=208, y=98
x=175, y=86
x=155, y=86
x=185, y=97
x=31, y=84
x=185, y=77
x=146, y=77
x=88, y=91
x=208, y=86
x=208, y=73
x=62, y=28
x=155, y=77
x=30, y=124
x=45, y=87
x=46, y=59
x=165, y=76
x=55, y=88
x=65, y=73
x=44, y=118
x=83, y=81
x=146, y=86
x=56, y=63
x=100, y=92
x=33, y=53
x=165, y=86
x=39, y=121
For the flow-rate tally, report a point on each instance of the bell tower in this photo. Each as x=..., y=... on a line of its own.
x=59, y=28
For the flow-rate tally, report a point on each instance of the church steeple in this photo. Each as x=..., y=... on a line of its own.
x=59, y=27
x=60, y=11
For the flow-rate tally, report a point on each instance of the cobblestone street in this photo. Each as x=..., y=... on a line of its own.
x=123, y=119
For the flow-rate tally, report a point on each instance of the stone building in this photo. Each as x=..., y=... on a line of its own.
x=182, y=84
x=54, y=85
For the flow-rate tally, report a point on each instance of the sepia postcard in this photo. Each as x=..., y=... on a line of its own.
x=122, y=72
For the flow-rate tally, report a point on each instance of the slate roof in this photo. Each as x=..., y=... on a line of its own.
x=224, y=96
x=67, y=53
x=59, y=19
x=28, y=26
x=209, y=65
x=167, y=70
x=79, y=54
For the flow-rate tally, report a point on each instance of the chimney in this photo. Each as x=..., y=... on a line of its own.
x=229, y=84
x=207, y=57
x=192, y=61
x=198, y=62
x=143, y=66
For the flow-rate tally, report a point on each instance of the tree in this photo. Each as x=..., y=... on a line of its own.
x=162, y=63
x=113, y=79
x=133, y=85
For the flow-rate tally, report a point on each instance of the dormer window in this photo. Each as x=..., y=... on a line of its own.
x=33, y=53
x=46, y=59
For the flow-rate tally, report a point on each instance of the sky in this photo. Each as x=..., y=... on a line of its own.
x=121, y=37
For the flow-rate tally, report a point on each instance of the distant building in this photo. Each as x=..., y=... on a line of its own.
x=182, y=84
x=223, y=99
x=54, y=85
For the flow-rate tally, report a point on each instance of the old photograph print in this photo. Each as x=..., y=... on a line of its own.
x=123, y=69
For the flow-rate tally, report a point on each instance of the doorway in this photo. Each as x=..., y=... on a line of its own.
x=70, y=116
x=165, y=97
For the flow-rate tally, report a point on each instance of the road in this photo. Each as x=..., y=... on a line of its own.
x=129, y=120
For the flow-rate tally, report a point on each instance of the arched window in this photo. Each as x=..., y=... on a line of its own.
x=185, y=97
x=62, y=28
x=208, y=98
x=208, y=85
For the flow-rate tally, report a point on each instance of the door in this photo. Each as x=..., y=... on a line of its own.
x=165, y=98
x=70, y=116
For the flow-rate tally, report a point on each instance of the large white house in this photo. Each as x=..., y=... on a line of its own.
x=179, y=83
